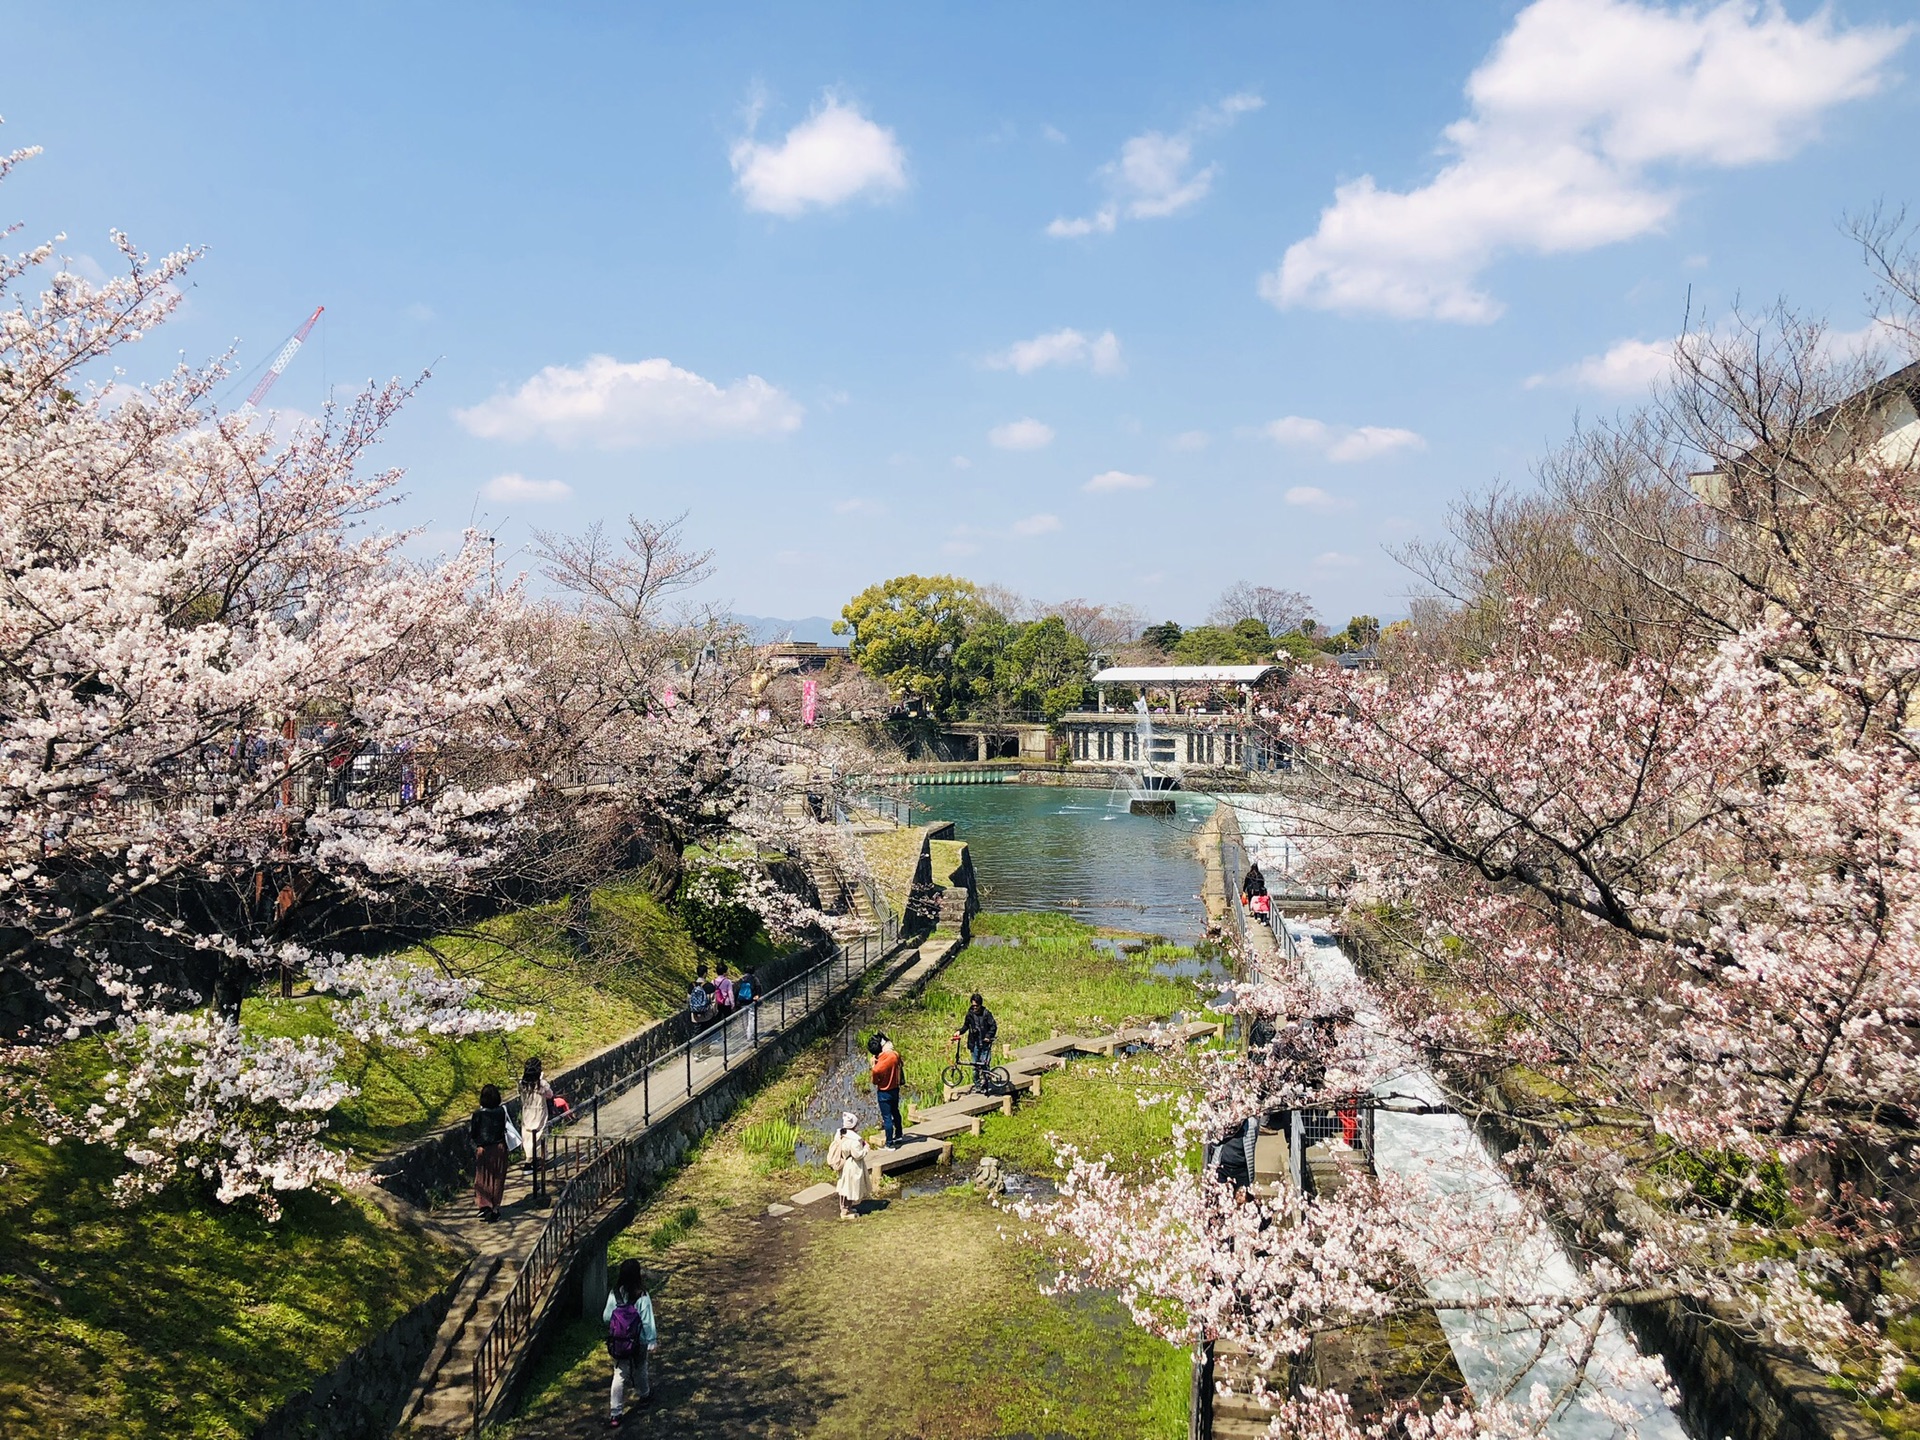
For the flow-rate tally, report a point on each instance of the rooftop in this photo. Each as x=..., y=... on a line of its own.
x=1183, y=674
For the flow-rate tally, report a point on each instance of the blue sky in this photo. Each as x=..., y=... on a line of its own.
x=1086, y=300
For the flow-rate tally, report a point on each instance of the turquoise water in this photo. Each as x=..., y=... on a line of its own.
x=1046, y=847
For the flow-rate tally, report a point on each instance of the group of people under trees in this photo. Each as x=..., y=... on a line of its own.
x=715, y=1001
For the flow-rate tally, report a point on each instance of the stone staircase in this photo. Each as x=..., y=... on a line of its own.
x=442, y=1399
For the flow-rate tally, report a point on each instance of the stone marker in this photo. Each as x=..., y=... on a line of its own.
x=777, y=1209
x=813, y=1194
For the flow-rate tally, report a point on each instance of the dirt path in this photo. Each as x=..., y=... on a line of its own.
x=925, y=1317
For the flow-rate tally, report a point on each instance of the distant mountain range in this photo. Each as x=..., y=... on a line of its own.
x=766, y=629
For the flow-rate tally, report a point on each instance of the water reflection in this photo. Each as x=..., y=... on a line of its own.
x=1043, y=847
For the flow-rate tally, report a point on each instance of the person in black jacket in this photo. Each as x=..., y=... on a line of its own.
x=979, y=1029
x=488, y=1131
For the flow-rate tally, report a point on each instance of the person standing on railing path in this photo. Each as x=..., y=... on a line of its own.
x=887, y=1072
x=700, y=1000
x=488, y=1131
x=746, y=996
x=722, y=991
x=535, y=1095
x=847, y=1158
x=632, y=1335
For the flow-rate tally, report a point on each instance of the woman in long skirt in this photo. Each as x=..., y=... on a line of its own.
x=847, y=1157
x=488, y=1131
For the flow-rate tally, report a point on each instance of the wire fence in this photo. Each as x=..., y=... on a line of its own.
x=591, y=1170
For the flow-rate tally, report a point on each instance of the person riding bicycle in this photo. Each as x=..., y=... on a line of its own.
x=979, y=1029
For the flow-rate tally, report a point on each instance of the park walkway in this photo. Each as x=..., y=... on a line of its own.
x=520, y=1260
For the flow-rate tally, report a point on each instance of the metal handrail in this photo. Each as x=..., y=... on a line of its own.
x=597, y=1167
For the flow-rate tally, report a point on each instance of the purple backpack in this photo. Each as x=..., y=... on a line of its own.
x=623, y=1332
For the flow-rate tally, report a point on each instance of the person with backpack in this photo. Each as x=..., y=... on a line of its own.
x=700, y=1000
x=847, y=1158
x=746, y=990
x=632, y=1336
x=722, y=990
x=979, y=1029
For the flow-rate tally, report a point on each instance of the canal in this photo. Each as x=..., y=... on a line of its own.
x=1057, y=847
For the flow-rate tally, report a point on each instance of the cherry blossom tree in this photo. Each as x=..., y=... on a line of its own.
x=203, y=642
x=1627, y=844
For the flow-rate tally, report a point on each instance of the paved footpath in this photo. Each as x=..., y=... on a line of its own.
x=442, y=1399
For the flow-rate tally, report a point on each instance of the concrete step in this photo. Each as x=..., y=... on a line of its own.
x=1194, y=1030
x=964, y=1105
x=1035, y=1064
x=1059, y=1045
x=813, y=1194
x=945, y=1129
x=906, y=1157
x=1020, y=1081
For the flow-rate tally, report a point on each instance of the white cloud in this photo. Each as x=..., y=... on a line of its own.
x=960, y=547
x=1634, y=367
x=833, y=155
x=1312, y=497
x=1108, y=480
x=858, y=506
x=1100, y=353
x=1190, y=440
x=1629, y=367
x=1036, y=525
x=1341, y=444
x=1153, y=176
x=1028, y=434
x=612, y=404
x=1573, y=122
x=961, y=462
x=1333, y=560
x=519, y=489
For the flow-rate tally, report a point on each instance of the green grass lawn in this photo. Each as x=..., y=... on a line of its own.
x=1050, y=978
x=927, y=1316
x=635, y=968
x=179, y=1317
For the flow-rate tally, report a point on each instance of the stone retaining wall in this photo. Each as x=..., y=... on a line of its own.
x=440, y=1165
x=361, y=1397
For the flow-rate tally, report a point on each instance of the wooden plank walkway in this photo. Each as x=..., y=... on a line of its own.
x=961, y=1112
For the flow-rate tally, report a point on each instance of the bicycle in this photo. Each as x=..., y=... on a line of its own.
x=986, y=1079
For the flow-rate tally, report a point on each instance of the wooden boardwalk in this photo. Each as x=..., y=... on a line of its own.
x=930, y=1134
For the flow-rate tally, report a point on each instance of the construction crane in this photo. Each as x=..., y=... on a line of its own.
x=282, y=360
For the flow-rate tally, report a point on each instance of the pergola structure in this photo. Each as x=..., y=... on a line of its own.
x=1175, y=680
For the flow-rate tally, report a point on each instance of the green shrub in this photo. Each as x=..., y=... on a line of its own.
x=712, y=915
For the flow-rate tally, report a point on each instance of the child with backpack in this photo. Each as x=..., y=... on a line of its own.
x=631, y=1336
x=746, y=990
x=700, y=1000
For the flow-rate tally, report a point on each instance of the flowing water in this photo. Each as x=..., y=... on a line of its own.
x=1048, y=847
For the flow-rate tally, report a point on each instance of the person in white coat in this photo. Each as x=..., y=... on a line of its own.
x=536, y=1097
x=847, y=1157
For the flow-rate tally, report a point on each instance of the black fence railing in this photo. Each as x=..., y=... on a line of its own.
x=590, y=1170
